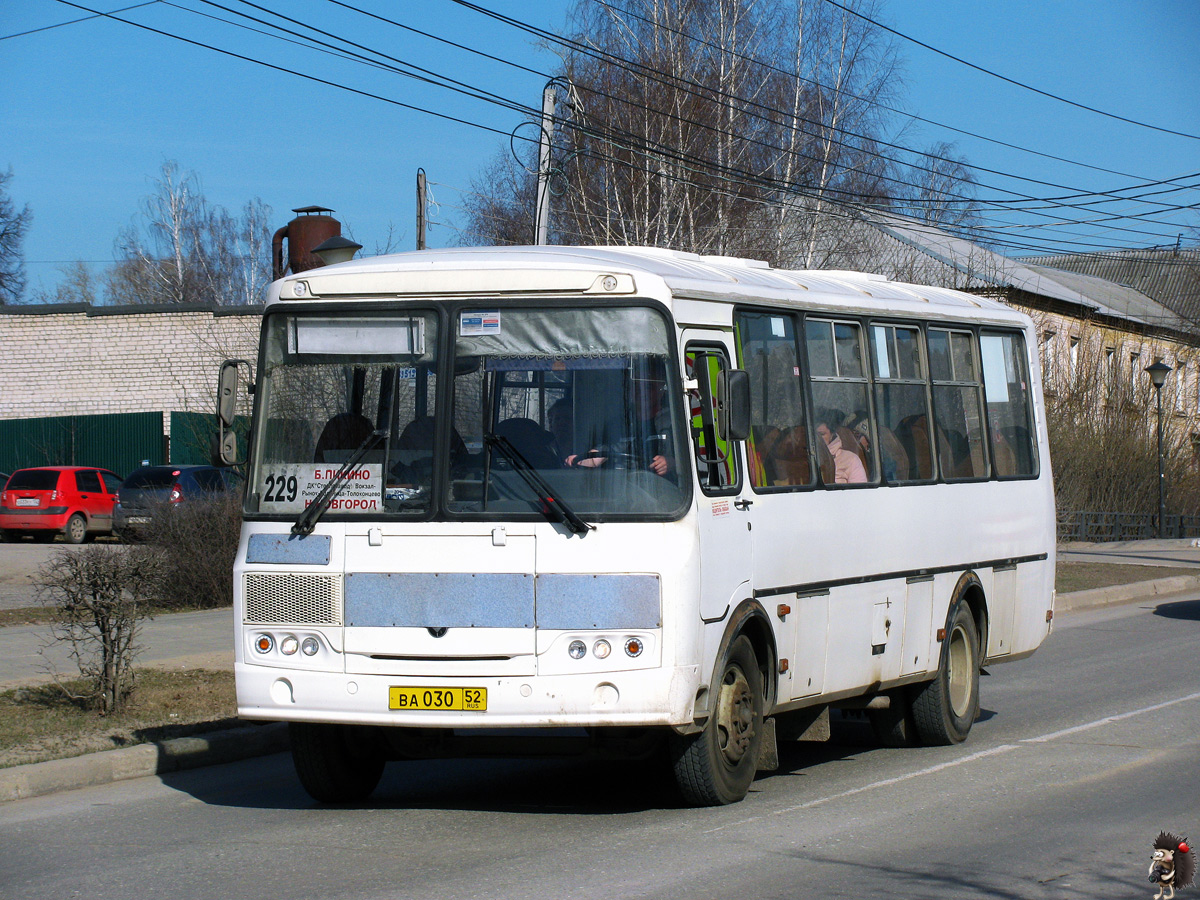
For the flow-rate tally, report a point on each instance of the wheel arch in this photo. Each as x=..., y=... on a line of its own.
x=751, y=619
x=969, y=590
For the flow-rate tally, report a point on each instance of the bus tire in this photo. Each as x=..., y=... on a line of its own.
x=335, y=763
x=716, y=766
x=945, y=708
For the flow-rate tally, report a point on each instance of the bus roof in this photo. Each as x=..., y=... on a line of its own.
x=645, y=271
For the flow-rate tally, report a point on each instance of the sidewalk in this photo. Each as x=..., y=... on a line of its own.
x=206, y=639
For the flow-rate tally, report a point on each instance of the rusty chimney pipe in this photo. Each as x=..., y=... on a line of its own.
x=309, y=229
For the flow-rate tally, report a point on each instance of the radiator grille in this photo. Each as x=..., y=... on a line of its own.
x=287, y=599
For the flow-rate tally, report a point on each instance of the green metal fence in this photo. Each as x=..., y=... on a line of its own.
x=120, y=441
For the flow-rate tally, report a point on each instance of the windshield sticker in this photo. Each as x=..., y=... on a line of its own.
x=474, y=324
x=288, y=489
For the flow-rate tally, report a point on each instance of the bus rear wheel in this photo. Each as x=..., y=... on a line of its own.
x=717, y=766
x=945, y=708
x=336, y=763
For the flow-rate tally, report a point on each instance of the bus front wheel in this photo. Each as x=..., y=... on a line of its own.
x=336, y=763
x=945, y=708
x=716, y=766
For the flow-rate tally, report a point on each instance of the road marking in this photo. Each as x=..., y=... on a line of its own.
x=1003, y=748
x=1107, y=719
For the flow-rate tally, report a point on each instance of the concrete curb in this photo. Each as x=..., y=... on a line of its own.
x=1125, y=593
x=52, y=776
x=39, y=779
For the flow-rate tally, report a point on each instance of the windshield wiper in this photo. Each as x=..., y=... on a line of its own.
x=308, y=519
x=551, y=507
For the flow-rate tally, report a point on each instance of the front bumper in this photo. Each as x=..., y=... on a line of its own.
x=659, y=696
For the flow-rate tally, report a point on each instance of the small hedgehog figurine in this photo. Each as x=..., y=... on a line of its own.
x=1172, y=865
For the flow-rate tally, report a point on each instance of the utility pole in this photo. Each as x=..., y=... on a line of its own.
x=541, y=220
x=421, y=197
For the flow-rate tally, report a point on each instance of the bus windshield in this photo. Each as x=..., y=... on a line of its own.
x=555, y=413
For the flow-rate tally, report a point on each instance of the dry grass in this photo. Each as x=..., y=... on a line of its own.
x=1083, y=576
x=42, y=722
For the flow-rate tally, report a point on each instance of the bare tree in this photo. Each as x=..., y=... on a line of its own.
x=13, y=225
x=182, y=249
x=940, y=191
x=699, y=125
x=76, y=285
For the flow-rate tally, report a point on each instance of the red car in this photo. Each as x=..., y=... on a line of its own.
x=74, y=501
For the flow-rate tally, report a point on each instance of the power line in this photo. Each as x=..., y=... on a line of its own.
x=77, y=21
x=1005, y=78
x=681, y=83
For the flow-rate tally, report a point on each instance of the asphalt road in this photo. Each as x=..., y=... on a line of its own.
x=1082, y=754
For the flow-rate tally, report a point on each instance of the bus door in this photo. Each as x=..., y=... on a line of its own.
x=724, y=516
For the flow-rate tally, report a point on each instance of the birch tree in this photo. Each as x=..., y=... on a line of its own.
x=182, y=249
x=719, y=126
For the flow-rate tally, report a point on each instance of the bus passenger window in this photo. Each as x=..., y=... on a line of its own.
x=1009, y=407
x=901, y=404
x=959, y=434
x=777, y=447
x=837, y=366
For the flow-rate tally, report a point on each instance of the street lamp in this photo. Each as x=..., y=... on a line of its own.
x=1158, y=376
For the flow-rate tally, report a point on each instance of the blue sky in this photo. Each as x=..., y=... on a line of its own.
x=92, y=110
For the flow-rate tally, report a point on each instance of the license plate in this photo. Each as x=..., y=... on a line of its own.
x=138, y=520
x=27, y=501
x=469, y=699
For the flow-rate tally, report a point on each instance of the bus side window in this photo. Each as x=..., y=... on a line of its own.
x=901, y=403
x=958, y=416
x=837, y=368
x=777, y=448
x=1009, y=406
x=716, y=459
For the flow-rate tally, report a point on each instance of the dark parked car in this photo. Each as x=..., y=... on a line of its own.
x=74, y=501
x=153, y=488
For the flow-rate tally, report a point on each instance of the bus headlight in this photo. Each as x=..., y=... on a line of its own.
x=309, y=646
x=577, y=649
x=601, y=649
x=289, y=645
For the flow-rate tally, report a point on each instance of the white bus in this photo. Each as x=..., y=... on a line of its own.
x=630, y=497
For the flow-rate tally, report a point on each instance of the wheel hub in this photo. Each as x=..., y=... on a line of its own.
x=735, y=716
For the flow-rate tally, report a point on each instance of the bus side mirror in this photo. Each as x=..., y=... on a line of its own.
x=224, y=449
x=733, y=404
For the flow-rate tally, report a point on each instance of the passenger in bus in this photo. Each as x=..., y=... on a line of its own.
x=848, y=468
x=341, y=436
x=647, y=442
x=532, y=441
x=893, y=459
x=561, y=422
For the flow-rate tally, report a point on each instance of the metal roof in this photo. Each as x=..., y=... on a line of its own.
x=978, y=267
x=1170, y=275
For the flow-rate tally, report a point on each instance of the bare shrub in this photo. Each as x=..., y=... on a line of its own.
x=197, y=541
x=99, y=596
